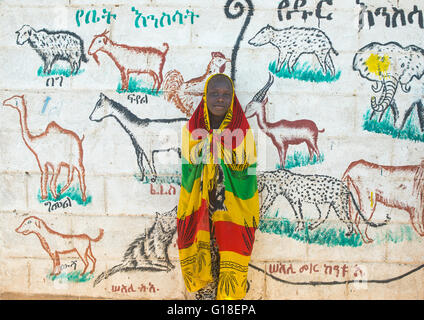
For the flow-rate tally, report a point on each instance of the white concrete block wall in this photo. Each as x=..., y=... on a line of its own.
x=285, y=261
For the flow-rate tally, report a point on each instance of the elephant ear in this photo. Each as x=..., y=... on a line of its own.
x=413, y=64
x=362, y=58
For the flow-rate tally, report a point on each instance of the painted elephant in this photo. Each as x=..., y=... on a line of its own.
x=388, y=66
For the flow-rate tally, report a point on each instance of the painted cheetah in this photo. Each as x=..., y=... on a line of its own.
x=299, y=189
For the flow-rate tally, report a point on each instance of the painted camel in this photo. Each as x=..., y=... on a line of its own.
x=50, y=158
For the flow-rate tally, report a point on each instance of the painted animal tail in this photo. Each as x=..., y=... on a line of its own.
x=173, y=81
x=82, y=139
x=84, y=58
x=371, y=224
x=166, y=48
x=99, y=237
x=106, y=274
x=334, y=51
x=321, y=131
x=171, y=84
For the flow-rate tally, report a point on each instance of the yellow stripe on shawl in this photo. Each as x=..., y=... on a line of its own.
x=189, y=202
x=249, y=207
x=232, y=285
x=198, y=252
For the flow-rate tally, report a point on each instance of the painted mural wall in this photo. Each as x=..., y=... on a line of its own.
x=93, y=100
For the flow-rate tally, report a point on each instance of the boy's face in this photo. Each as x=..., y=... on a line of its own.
x=219, y=95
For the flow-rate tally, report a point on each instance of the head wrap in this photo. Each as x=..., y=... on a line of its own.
x=232, y=147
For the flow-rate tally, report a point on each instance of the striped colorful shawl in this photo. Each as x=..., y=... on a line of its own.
x=232, y=147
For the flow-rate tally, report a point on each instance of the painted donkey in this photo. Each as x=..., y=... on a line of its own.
x=139, y=129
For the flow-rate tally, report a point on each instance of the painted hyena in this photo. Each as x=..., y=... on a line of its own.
x=292, y=42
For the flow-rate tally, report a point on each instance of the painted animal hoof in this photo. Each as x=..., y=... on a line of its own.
x=300, y=226
x=312, y=227
x=367, y=240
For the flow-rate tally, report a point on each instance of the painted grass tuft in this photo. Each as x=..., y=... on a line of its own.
x=330, y=236
x=410, y=131
x=74, y=193
x=58, y=71
x=138, y=85
x=300, y=159
x=74, y=276
x=303, y=72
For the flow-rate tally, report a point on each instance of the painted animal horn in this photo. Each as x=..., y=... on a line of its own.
x=260, y=95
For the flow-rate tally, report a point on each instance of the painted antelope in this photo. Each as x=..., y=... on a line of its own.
x=283, y=132
x=129, y=59
x=50, y=158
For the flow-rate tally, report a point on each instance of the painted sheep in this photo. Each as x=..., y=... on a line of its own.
x=54, y=45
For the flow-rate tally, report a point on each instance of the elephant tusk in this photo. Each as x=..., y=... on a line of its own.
x=377, y=86
x=405, y=87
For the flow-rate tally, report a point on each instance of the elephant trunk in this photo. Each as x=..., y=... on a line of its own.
x=386, y=97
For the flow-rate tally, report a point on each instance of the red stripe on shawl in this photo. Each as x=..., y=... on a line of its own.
x=197, y=119
x=238, y=121
x=233, y=237
x=191, y=225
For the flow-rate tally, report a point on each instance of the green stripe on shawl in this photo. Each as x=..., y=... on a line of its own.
x=241, y=184
x=190, y=172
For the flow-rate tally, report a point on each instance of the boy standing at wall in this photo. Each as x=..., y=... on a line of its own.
x=218, y=210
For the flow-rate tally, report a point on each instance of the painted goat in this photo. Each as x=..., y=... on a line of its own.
x=130, y=59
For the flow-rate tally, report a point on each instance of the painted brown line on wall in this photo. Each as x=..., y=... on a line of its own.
x=327, y=283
